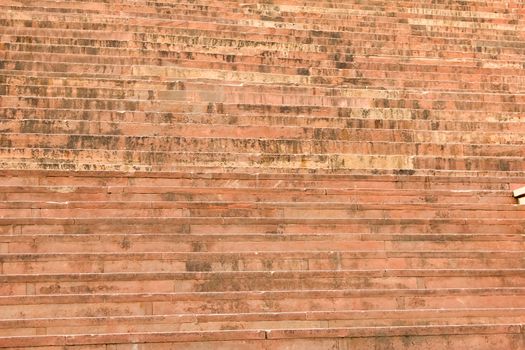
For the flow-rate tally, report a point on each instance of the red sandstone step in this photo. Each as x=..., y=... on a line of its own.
x=72, y=194
x=239, y=225
x=159, y=338
x=270, y=140
x=293, y=211
x=399, y=179
x=188, y=177
x=25, y=263
x=362, y=118
x=51, y=158
x=238, y=243
x=276, y=110
x=235, y=94
x=198, y=202
x=110, y=133
x=475, y=9
x=76, y=193
x=297, y=320
x=164, y=282
x=64, y=199
x=87, y=305
x=164, y=144
x=358, y=80
x=120, y=107
x=473, y=5
x=394, y=180
x=504, y=335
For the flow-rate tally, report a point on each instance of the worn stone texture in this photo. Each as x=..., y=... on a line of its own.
x=259, y=175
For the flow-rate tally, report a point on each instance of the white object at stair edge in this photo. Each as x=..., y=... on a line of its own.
x=519, y=192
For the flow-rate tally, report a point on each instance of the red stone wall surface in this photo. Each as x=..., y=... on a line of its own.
x=277, y=174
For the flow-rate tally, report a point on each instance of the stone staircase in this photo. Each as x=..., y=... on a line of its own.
x=283, y=174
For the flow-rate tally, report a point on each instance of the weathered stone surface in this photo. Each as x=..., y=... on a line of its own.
x=247, y=175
